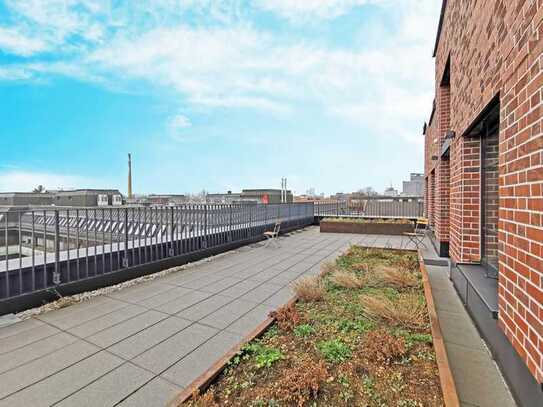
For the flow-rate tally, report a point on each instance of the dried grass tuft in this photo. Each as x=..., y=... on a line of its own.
x=346, y=280
x=397, y=278
x=328, y=268
x=405, y=311
x=309, y=289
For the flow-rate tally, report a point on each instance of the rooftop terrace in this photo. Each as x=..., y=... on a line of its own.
x=143, y=344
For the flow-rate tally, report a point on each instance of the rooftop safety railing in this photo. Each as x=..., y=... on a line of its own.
x=45, y=248
x=49, y=247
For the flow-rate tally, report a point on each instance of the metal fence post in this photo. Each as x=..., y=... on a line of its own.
x=56, y=273
x=125, y=259
x=205, y=227
x=230, y=224
x=172, y=235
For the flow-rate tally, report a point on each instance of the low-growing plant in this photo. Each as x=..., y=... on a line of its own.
x=304, y=330
x=309, y=289
x=411, y=338
x=301, y=383
x=382, y=347
x=409, y=403
x=271, y=332
x=286, y=317
x=264, y=356
x=206, y=399
x=406, y=310
x=345, y=279
x=357, y=325
x=334, y=351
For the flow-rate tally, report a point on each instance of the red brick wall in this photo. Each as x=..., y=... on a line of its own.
x=443, y=168
x=495, y=48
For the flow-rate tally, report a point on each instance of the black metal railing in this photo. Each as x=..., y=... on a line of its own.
x=46, y=248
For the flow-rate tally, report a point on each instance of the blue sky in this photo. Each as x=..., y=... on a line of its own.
x=217, y=95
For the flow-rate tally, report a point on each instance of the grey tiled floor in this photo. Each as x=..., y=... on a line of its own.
x=142, y=345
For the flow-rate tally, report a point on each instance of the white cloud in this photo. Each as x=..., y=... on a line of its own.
x=14, y=73
x=180, y=122
x=14, y=42
x=307, y=10
x=24, y=181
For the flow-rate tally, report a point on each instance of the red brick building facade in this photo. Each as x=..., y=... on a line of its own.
x=484, y=157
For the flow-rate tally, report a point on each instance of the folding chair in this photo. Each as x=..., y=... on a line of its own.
x=417, y=237
x=273, y=235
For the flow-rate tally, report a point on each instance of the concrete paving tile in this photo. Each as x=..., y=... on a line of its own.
x=281, y=297
x=199, y=281
x=164, y=297
x=146, y=339
x=125, y=329
x=284, y=278
x=240, y=288
x=34, y=351
x=265, y=275
x=158, y=392
x=250, y=321
x=185, y=301
x=221, y=285
x=447, y=300
x=166, y=353
x=58, y=386
x=204, y=308
x=459, y=329
x=111, y=388
x=477, y=378
x=228, y=314
x=141, y=292
x=19, y=327
x=106, y=321
x=25, y=375
x=25, y=337
x=81, y=312
x=201, y=359
x=260, y=294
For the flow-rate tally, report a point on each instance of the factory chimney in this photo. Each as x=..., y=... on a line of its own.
x=129, y=176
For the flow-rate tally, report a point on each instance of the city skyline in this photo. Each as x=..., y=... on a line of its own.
x=214, y=95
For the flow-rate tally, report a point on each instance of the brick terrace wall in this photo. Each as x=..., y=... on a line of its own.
x=495, y=48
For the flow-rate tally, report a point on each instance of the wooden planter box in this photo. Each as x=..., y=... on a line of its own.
x=448, y=387
x=370, y=228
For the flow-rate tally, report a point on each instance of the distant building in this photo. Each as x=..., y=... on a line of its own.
x=157, y=200
x=227, y=198
x=415, y=185
x=77, y=197
x=88, y=198
x=390, y=191
x=266, y=196
x=25, y=199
